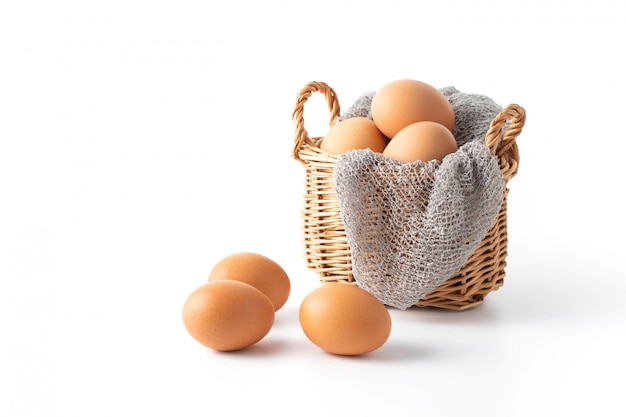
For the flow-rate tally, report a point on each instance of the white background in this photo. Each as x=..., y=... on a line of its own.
x=141, y=141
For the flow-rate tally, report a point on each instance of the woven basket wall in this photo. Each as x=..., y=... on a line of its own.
x=326, y=247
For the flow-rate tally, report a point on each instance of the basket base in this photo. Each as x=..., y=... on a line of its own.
x=459, y=300
x=451, y=305
x=452, y=295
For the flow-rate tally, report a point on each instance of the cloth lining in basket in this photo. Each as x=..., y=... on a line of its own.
x=411, y=226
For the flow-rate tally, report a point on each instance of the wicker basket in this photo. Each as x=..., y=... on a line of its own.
x=326, y=247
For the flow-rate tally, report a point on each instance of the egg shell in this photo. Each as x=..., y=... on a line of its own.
x=353, y=133
x=228, y=315
x=403, y=102
x=422, y=141
x=344, y=319
x=257, y=270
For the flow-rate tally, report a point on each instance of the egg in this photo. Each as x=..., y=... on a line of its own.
x=257, y=270
x=227, y=315
x=403, y=102
x=353, y=133
x=344, y=319
x=422, y=141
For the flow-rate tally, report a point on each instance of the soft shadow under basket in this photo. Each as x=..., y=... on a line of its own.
x=326, y=247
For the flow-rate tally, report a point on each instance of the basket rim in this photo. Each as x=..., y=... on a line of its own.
x=501, y=138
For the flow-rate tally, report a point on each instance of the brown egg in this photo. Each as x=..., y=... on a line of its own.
x=257, y=270
x=228, y=315
x=353, y=133
x=403, y=102
x=422, y=141
x=344, y=319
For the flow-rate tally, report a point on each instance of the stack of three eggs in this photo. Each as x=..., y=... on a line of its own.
x=410, y=121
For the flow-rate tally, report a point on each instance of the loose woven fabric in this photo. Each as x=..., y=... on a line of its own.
x=410, y=226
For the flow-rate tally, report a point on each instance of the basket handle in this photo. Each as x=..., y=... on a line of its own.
x=500, y=138
x=302, y=136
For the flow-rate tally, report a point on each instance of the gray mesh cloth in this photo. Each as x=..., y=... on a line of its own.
x=411, y=226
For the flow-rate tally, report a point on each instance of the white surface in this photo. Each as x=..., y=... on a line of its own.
x=142, y=141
